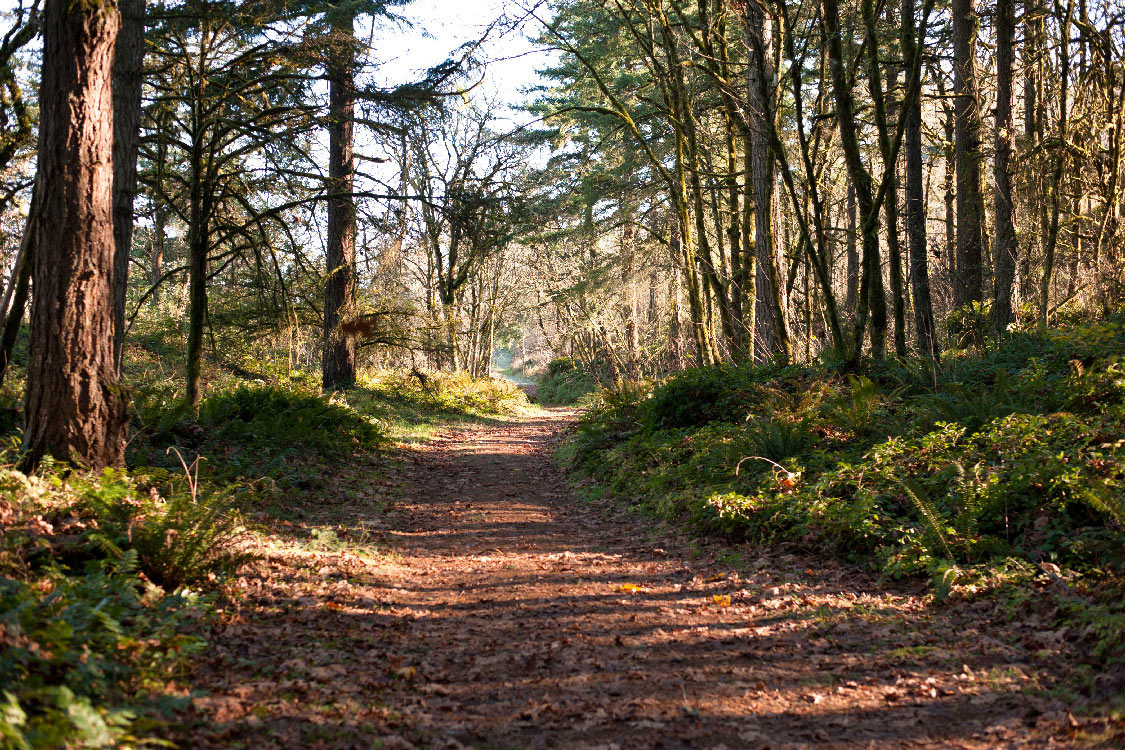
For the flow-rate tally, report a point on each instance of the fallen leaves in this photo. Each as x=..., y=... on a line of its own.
x=522, y=623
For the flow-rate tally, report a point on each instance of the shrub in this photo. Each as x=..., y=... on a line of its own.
x=84, y=630
x=970, y=325
x=276, y=422
x=1016, y=453
x=188, y=539
x=565, y=383
x=700, y=395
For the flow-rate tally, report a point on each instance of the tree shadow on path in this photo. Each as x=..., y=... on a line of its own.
x=510, y=614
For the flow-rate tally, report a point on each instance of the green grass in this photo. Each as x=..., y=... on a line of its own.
x=411, y=412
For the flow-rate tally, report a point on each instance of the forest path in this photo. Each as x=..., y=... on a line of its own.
x=511, y=615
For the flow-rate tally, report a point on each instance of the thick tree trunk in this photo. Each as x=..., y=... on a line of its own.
x=1006, y=250
x=75, y=405
x=771, y=334
x=969, y=277
x=916, y=194
x=339, y=343
x=128, y=73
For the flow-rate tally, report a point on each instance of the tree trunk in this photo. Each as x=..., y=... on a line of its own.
x=198, y=250
x=1005, y=250
x=339, y=343
x=21, y=285
x=872, y=296
x=968, y=280
x=850, y=248
x=916, y=195
x=770, y=333
x=128, y=73
x=76, y=408
x=950, y=185
x=1054, y=186
x=629, y=311
x=156, y=267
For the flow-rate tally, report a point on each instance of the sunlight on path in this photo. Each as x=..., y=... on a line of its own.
x=545, y=623
x=508, y=614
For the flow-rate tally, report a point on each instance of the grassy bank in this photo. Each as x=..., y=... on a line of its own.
x=1006, y=467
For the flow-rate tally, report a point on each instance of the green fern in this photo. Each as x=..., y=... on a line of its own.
x=928, y=511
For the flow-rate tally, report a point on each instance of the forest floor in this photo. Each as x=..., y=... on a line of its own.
x=469, y=598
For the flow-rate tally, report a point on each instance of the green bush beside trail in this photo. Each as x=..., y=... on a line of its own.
x=1015, y=453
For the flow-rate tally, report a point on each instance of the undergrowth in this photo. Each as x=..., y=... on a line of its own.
x=564, y=383
x=410, y=408
x=101, y=601
x=1013, y=452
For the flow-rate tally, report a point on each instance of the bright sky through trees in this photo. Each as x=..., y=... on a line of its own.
x=441, y=26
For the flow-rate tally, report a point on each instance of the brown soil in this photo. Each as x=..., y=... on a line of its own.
x=509, y=614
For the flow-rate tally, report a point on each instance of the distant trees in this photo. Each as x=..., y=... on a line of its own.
x=851, y=109
x=465, y=179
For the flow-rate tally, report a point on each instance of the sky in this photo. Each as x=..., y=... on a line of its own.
x=441, y=26
x=437, y=28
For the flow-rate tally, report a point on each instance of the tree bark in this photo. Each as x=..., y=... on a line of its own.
x=916, y=195
x=128, y=73
x=339, y=344
x=76, y=408
x=969, y=278
x=770, y=331
x=851, y=249
x=1005, y=250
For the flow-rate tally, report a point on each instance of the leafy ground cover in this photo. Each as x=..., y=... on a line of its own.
x=490, y=609
x=1003, y=471
x=565, y=383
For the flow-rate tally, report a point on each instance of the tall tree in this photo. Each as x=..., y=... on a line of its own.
x=339, y=342
x=1005, y=247
x=915, y=188
x=128, y=74
x=872, y=300
x=771, y=332
x=969, y=278
x=75, y=404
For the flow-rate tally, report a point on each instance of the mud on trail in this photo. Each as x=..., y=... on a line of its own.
x=509, y=614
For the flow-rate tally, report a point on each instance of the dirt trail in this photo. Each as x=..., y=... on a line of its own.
x=514, y=616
